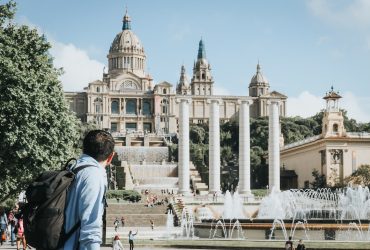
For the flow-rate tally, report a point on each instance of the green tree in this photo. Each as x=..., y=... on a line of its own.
x=319, y=179
x=197, y=133
x=37, y=130
x=361, y=176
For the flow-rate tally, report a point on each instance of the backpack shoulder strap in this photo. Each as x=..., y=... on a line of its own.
x=79, y=168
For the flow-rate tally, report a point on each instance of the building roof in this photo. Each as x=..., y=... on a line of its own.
x=164, y=83
x=332, y=94
x=275, y=94
x=258, y=78
x=355, y=136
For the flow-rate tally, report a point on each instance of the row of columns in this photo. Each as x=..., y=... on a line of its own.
x=214, y=146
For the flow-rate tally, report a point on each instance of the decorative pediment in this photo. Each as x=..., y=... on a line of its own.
x=128, y=85
x=164, y=84
x=274, y=94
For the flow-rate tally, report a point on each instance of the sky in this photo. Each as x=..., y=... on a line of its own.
x=304, y=47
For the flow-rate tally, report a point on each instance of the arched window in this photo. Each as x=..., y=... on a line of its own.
x=146, y=108
x=164, y=104
x=114, y=107
x=335, y=128
x=97, y=89
x=203, y=76
x=164, y=91
x=131, y=107
x=98, y=103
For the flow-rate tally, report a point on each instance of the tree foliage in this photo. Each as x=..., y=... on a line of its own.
x=360, y=177
x=319, y=179
x=37, y=130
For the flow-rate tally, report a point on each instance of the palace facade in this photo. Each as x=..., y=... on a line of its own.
x=125, y=100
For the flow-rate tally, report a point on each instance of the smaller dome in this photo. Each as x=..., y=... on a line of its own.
x=259, y=78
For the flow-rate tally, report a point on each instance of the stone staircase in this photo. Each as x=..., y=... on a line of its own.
x=136, y=214
x=196, y=181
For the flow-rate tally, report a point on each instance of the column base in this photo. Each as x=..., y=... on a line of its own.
x=216, y=196
x=247, y=196
x=184, y=192
x=246, y=193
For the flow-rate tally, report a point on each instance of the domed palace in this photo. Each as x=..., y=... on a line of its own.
x=125, y=100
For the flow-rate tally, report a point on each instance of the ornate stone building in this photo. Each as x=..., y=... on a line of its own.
x=335, y=153
x=125, y=99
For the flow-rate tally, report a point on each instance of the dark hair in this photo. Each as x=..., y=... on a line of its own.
x=98, y=144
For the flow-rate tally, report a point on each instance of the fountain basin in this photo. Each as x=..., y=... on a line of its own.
x=262, y=229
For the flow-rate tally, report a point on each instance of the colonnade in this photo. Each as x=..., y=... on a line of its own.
x=244, y=186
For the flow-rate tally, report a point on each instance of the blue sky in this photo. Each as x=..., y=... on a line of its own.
x=304, y=47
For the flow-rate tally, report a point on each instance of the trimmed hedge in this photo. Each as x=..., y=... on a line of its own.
x=128, y=195
x=260, y=192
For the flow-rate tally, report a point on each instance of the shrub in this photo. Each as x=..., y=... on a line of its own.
x=128, y=195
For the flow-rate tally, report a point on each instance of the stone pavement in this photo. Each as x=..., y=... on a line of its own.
x=7, y=246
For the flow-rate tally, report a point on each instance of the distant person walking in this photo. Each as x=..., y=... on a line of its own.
x=152, y=224
x=117, y=245
x=122, y=222
x=131, y=238
x=301, y=246
x=3, y=225
x=12, y=221
x=116, y=224
x=19, y=229
x=289, y=244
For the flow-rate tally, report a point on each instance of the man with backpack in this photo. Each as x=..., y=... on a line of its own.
x=86, y=197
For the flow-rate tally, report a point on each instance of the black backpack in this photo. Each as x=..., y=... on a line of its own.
x=43, y=215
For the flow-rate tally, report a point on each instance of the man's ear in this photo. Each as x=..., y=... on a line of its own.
x=110, y=158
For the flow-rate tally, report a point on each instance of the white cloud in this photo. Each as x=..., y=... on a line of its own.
x=79, y=68
x=353, y=14
x=357, y=108
x=307, y=104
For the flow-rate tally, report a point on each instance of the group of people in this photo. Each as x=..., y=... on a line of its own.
x=117, y=245
x=152, y=200
x=116, y=223
x=290, y=246
x=11, y=226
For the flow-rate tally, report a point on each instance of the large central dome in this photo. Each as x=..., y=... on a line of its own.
x=126, y=51
x=126, y=41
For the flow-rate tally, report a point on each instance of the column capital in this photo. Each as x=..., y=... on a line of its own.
x=273, y=101
x=183, y=99
x=247, y=101
x=214, y=99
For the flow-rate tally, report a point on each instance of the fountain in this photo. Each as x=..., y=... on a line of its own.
x=227, y=234
x=187, y=224
x=320, y=214
x=233, y=206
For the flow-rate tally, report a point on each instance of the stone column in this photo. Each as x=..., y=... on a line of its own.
x=244, y=148
x=274, y=145
x=214, y=146
x=184, y=149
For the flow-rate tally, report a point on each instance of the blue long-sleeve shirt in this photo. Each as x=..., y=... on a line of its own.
x=85, y=202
